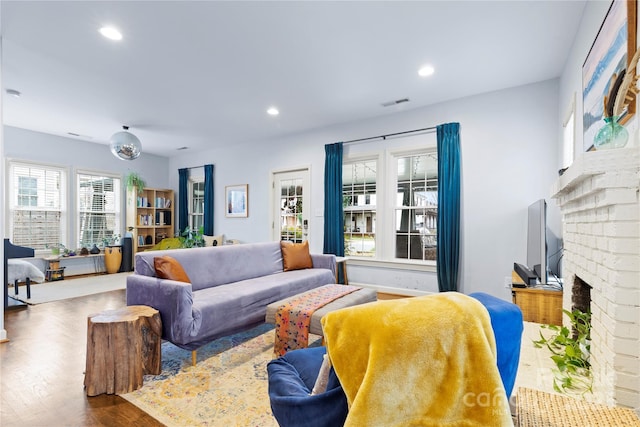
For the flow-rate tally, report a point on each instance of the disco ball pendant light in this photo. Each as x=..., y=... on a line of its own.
x=125, y=145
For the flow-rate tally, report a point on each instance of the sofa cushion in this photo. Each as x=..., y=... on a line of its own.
x=213, y=240
x=296, y=256
x=169, y=268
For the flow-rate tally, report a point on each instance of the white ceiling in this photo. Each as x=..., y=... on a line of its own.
x=202, y=74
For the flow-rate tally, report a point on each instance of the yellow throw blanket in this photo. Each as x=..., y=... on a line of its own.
x=425, y=361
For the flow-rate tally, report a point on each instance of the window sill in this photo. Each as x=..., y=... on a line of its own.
x=429, y=266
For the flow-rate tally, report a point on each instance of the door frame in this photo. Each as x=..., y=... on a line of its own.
x=272, y=198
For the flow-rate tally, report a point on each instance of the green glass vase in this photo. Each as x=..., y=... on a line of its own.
x=611, y=135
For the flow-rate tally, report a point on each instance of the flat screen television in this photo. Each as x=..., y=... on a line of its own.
x=537, y=256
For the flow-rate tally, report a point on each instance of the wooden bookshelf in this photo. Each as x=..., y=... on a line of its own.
x=150, y=214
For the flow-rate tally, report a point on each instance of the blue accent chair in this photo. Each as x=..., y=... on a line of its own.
x=291, y=379
x=292, y=376
x=506, y=321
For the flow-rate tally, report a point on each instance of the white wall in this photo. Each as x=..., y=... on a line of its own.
x=21, y=144
x=509, y=145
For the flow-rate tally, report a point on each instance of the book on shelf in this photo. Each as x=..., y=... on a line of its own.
x=145, y=220
x=160, y=218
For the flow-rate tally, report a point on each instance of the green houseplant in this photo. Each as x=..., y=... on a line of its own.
x=192, y=238
x=570, y=351
x=132, y=180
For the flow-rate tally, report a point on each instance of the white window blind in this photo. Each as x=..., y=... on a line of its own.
x=37, y=205
x=98, y=207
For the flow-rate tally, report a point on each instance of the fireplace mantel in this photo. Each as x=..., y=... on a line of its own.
x=594, y=163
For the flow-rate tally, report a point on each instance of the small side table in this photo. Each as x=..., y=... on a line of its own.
x=54, y=270
x=122, y=346
x=341, y=261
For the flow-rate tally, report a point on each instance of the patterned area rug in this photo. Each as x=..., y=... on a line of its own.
x=227, y=387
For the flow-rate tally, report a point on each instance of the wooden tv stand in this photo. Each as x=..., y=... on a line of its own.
x=539, y=305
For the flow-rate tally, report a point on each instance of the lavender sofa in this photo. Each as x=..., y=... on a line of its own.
x=230, y=289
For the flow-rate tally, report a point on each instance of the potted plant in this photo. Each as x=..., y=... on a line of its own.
x=192, y=238
x=55, y=248
x=134, y=180
x=570, y=351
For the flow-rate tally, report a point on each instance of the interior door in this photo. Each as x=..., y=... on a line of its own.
x=291, y=205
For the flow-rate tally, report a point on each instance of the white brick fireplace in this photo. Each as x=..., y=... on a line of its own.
x=599, y=201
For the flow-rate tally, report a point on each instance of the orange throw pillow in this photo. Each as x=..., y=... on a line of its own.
x=169, y=268
x=296, y=256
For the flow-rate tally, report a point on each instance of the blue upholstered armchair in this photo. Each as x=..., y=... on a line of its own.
x=292, y=377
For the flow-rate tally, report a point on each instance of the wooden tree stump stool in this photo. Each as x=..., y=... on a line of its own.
x=122, y=346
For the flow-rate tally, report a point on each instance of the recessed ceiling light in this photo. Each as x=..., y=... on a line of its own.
x=111, y=33
x=426, y=70
x=13, y=92
x=273, y=111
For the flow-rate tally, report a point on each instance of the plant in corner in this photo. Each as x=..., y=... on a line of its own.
x=192, y=238
x=134, y=180
x=570, y=352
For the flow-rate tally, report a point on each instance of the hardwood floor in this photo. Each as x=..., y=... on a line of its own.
x=42, y=368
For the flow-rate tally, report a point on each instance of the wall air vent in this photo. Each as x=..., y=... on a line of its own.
x=396, y=102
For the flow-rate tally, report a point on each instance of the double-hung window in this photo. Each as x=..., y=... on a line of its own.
x=37, y=205
x=196, y=203
x=99, y=207
x=416, y=206
x=359, y=198
x=390, y=206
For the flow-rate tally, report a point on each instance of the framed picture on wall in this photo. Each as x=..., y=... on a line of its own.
x=237, y=201
x=613, y=48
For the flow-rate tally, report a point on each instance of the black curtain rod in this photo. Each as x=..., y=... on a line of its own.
x=390, y=134
x=195, y=167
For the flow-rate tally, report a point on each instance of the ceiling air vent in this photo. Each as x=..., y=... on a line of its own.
x=77, y=135
x=396, y=102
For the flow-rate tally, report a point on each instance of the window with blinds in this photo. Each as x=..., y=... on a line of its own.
x=37, y=205
x=98, y=207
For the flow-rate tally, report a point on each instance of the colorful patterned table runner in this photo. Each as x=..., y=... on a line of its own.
x=294, y=317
